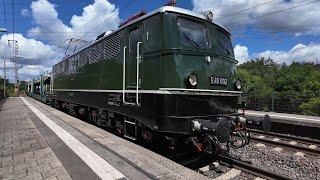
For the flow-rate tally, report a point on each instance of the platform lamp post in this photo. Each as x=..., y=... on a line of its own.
x=4, y=69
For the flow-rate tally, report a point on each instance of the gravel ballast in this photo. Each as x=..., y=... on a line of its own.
x=287, y=164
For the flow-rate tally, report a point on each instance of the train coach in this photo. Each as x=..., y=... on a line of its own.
x=40, y=87
x=167, y=78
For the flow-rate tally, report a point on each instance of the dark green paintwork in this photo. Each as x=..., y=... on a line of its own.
x=166, y=62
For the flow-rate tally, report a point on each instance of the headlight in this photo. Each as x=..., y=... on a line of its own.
x=193, y=80
x=238, y=84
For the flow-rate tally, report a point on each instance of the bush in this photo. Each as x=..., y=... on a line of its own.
x=293, y=88
x=312, y=107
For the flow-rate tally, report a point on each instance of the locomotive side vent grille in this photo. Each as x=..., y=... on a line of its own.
x=83, y=59
x=112, y=46
x=66, y=67
x=57, y=69
x=72, y=65
x=61, y=68
x=95, y=53
x=77, y=61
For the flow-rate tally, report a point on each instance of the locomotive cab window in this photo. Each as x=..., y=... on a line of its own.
x=224, y=43
x=193, y=33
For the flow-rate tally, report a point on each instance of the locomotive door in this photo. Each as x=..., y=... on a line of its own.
x=131, y=68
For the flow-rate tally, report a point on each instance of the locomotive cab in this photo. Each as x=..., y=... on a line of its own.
x=189, y=64
x=195, y=69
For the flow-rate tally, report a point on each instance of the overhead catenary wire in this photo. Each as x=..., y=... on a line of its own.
x=277, y=31
x=87, y=32
x=243, y=10
x=271, y=13
x=294, y=26
x=221, y=5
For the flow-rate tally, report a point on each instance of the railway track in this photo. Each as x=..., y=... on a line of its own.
x=250, y=168
x=309, y=146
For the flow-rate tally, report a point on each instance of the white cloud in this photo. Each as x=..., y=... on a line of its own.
x=33, y=53
x=30, y=71
x=95, y=19
x=299, y=21
x=31, y=50
x=37, y=56
x=26, y=72
x=241, y=53
x=9, y=64
x=298, y=53
x=25, y=12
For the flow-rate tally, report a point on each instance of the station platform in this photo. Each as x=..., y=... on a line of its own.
x=40, y=142
x=294, y=119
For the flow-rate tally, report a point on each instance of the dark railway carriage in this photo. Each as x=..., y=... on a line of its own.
x=167, y=77
x=40, y=87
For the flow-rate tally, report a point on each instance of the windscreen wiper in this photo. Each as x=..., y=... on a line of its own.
x=226, y=49
x=191, y=40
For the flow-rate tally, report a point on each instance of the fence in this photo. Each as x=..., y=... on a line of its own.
x=274, y=102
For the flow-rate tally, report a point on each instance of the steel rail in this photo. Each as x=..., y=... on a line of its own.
x=251, y=169
x=311, y=151
x=315, y=152
x=307, y=150
x=300, y=139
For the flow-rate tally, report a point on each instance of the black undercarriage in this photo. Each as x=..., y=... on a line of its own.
x=188, y=129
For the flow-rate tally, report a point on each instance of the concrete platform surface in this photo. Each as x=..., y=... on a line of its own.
x=40, y=142
x=302, y=120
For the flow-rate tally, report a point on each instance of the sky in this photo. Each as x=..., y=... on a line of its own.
x=284, y=30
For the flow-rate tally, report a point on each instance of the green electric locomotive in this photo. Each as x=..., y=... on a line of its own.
x=167, y=77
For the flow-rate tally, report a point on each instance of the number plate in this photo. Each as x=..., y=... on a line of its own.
x=220, y=81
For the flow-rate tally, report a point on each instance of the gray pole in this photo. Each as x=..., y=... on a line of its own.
x=16, y=69
x=4, y=78
x=14, y=58
x=4, y=68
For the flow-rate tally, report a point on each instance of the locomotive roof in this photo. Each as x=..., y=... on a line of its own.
x=172, y=9
x=159, y=10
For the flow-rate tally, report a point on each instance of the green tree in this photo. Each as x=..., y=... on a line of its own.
x=312, y=107
x=291, y=88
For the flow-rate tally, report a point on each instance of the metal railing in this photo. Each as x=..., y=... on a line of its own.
x=273, y=102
